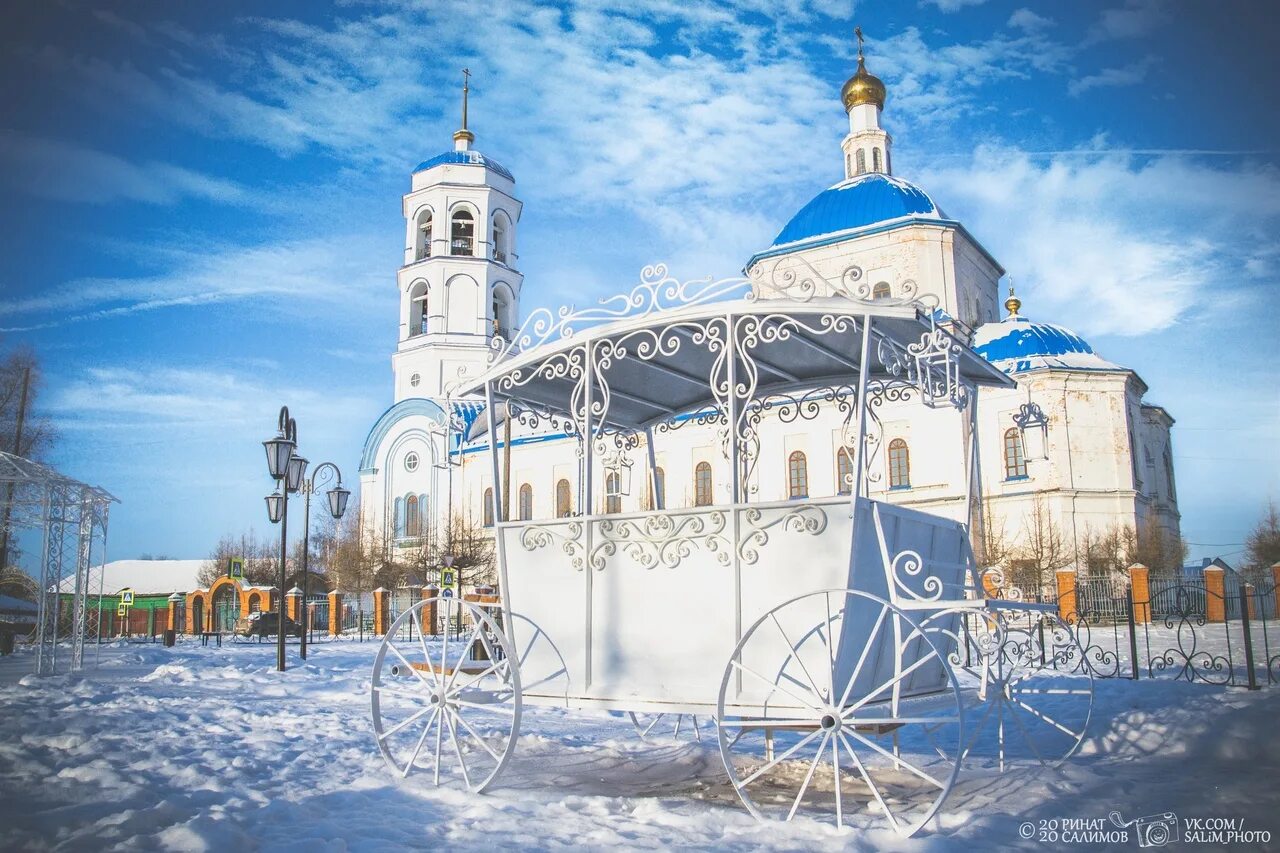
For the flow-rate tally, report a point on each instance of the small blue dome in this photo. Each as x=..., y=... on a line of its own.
x=856, y=203
x=1016, y=345
x=465, y=158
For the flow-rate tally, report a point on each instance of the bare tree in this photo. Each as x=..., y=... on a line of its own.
x=991, y=545
x=23, y=432
x=471, y=546
x=1043, y=550
x=1262, y=545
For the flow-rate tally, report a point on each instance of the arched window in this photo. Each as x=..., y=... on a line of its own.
x=881, y=290
x=702, y=484
x=526, y=502
x=499, y=240
x=899, y=465
x=844, y=472
x=412, y=518
x=876, y=165
x=464, y=234
x=860, y=158
x=397, y=524
x=418, y=309
x=488, y=507
x=1168, y=473
x=612, y=496
x=848, y=165
x=423, y=236
x=564, y=499
x=797, y=475
x=1015, y=461
x=659, y=489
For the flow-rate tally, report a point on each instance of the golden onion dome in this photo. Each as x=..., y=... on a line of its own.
x=862, y=88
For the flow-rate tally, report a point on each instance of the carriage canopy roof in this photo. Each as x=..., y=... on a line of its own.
x=656, y=364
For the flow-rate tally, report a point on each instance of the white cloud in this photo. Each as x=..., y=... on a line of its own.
x=344, y=271
x=1129, y=75
x=49, y=168
x=1025, y=19
x=1114, y=243
x=1133, y=19
x=948, y=6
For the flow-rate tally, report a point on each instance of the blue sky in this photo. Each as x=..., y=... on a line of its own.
x=201, y=201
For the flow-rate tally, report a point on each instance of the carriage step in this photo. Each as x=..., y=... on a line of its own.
x=469, y=667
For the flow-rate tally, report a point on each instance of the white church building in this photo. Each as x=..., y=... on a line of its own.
x=1074, y=440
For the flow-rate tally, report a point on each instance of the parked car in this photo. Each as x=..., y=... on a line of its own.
x=262, y=624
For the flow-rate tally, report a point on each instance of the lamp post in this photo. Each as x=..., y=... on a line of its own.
x=337, y=506
x=287, y=468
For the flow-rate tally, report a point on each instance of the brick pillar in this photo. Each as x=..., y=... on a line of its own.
x=989, y=585
x=1214, y=589
x=430, y=612
x=1140, y=583
x=335, y=613
x=381, y=610
x=1251, y=597
x=291, y=599
x=1067, y=595
x=173, y=612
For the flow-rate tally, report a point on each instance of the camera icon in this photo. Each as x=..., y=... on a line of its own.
x=1155, y=830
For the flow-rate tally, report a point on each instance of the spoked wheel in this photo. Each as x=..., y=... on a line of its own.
x=446, y=705
x=836, y=704
x=667, y=726
x=1034, y=693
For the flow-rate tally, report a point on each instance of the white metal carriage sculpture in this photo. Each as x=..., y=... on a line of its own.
x=845, y=648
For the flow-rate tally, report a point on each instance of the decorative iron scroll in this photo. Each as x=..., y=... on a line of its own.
x=793, y=277
x=657, y=291
x=810, y=520
x=662, y=538
x=566, y=535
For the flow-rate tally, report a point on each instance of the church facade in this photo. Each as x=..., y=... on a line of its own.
x=1070, y=454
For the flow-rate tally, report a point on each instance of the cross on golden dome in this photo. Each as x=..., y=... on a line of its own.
x=863, y=87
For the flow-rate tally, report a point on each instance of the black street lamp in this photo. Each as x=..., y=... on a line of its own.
x=337, y=506
x=287, y=470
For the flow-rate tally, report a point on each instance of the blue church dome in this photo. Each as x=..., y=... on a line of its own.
x=1017, y=345
x=465, y=158
x=857, y=203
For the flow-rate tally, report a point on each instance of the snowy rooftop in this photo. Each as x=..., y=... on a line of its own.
x=142, y=576
x=1017, y=345
x=857, y=203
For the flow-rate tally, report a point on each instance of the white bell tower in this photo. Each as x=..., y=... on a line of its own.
x=459, y=285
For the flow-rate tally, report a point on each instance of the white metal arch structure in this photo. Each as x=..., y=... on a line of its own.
x=598, y=586
x=70, y=517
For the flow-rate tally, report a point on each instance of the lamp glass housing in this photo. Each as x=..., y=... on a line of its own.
x=338, y=501
x=275, y=504
x=279, y=451
x=295, y=473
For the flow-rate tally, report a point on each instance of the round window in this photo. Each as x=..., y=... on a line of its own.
x=411, y=462
x=415, y=379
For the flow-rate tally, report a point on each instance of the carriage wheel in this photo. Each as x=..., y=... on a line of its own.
x=445, y=704
x=1034, y=690
x=667, y=726
x=836, y=703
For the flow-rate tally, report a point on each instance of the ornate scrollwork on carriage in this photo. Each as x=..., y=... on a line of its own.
x=565, y=535
x=661, y=539
x=808, y=520
x=793, y=277
x=657, y=291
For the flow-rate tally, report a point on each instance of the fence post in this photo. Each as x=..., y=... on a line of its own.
x=1215, y=595
x=335, y=613
x=1067, y=610
x=1133, y=631
x=1246, y=601
x=1140, y=583
x=429, y=614
x=380, y=612
x=291, y=603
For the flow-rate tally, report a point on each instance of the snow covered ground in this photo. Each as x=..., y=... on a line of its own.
x=202, y=748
